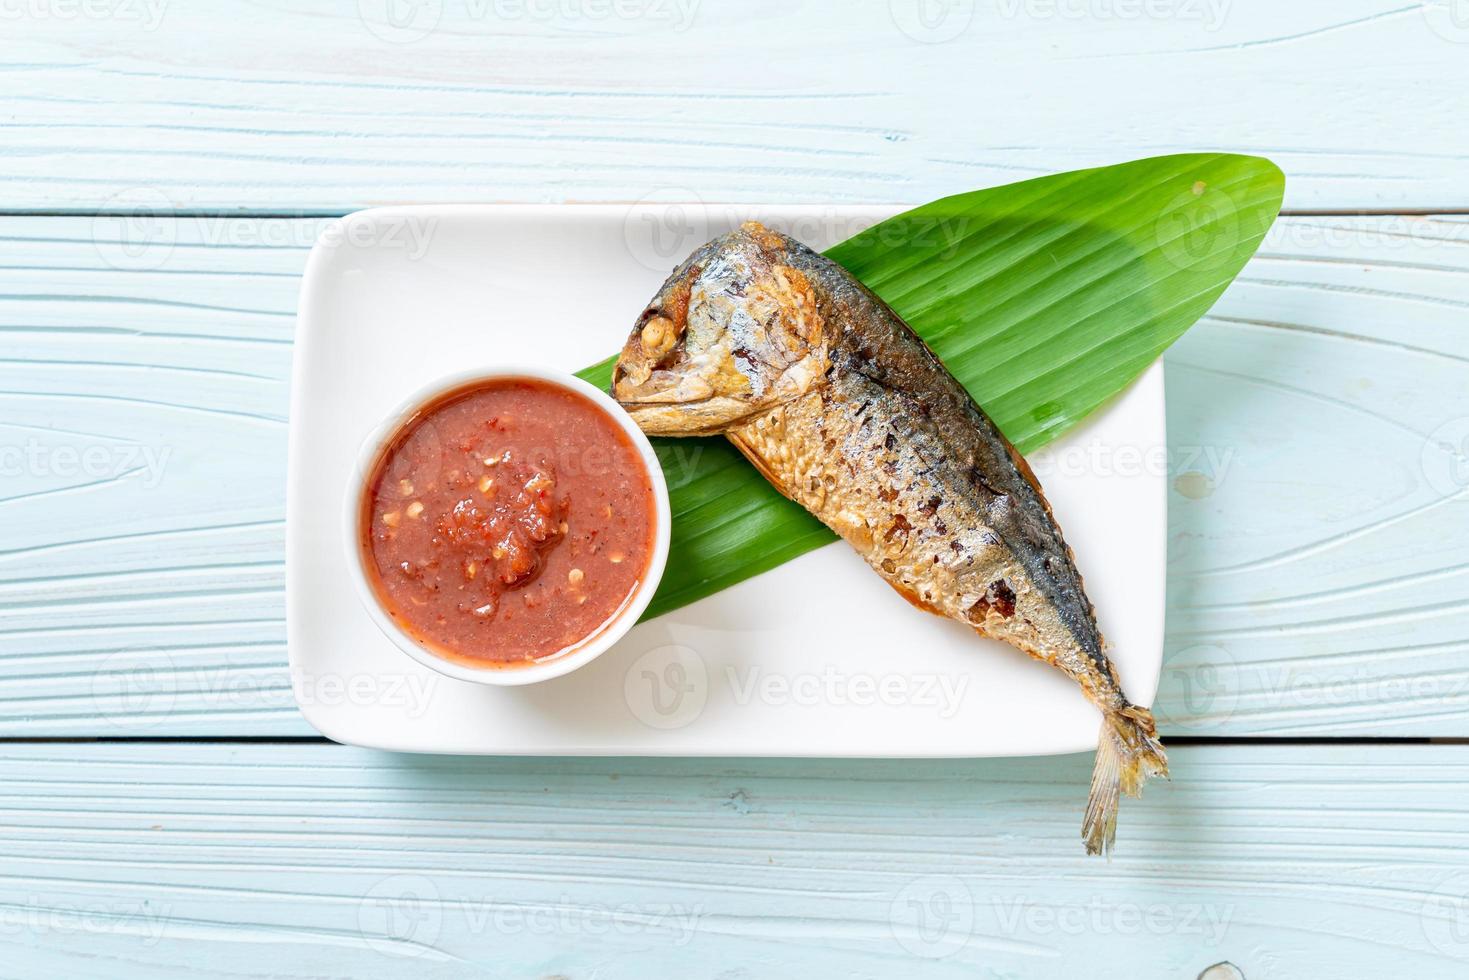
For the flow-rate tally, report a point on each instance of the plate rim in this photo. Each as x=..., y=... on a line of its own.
x=324, y=719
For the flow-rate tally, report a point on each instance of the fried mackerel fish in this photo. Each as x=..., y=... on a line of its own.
x=847, y=412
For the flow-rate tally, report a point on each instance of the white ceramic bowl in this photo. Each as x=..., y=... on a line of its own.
x=548, y=667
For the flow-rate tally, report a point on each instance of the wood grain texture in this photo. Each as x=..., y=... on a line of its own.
x=1317, y=567
x=1318, y=518
x=293, y=105
x=148, y=585
x=322, y=861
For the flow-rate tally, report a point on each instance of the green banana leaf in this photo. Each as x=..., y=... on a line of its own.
x=1044, y=298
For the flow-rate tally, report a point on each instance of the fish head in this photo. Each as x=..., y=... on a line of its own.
x=734, y=332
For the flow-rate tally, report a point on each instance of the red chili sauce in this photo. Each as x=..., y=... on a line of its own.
x=508, y=521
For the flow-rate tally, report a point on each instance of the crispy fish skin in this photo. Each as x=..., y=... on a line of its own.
x=845, y=410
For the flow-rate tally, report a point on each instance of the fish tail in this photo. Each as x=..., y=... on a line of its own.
x=1128, y=753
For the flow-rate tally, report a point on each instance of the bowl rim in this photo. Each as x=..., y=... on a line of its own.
x=560, y=663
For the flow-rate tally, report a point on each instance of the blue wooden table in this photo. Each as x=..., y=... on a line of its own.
x=166, y=812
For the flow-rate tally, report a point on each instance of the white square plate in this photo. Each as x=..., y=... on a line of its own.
x=816, y=658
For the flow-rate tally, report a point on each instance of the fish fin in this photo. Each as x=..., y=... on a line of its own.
x=914, y=599
x=1128, y=753
x=739, y=437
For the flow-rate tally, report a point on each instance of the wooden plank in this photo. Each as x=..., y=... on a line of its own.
x=1316, y=553
x=134, y=586
x=1316, y=563
x=164, y=861
x=141, y=103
